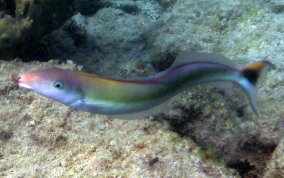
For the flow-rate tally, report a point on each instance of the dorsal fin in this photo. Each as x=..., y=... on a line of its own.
x=188, y=57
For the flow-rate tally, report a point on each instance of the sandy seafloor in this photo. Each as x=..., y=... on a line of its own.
x=207, y=132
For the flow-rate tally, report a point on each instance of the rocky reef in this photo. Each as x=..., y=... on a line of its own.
x=24, y=22
x=40, y=137
x=208, y=132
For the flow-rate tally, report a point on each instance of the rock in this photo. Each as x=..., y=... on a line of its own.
x=84, y=144
x=109, y=35
x=219, y=121
x=117, y=41
x=276, y=166
x=167, y=3
x=24, y=23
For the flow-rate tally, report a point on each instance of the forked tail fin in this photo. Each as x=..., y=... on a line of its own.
x=252, y=74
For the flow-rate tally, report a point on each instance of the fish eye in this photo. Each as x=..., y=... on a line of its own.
x=58, y=84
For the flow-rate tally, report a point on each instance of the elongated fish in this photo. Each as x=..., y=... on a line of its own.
x=111, y=96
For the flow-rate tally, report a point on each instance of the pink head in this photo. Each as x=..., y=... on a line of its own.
x=57, y=84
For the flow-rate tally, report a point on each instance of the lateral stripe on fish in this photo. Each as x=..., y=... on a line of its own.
x=111, y=96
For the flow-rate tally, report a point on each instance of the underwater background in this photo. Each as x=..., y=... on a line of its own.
x=208, y=132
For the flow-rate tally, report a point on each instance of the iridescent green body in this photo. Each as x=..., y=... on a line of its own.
x=112, y=96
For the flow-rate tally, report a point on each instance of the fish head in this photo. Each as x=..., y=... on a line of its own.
x=54, y=83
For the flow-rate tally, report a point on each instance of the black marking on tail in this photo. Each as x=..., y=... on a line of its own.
x=254, y=72
x=251, y=75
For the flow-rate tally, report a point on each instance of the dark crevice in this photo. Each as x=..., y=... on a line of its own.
x=255, y=146
x=251, y=157
x=240, y=112
x=5, y=135
x=73, y=40
x=91, y=7
x=9, y=6
x=26, y=10
x=164, y=62
x=179, y=124
x=77, y=34
x=244, y=168
x=248, y=157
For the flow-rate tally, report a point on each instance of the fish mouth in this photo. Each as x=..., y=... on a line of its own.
x=22, y=83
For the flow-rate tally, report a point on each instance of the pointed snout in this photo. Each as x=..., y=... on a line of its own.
x=25, y=80
x=23, y=84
